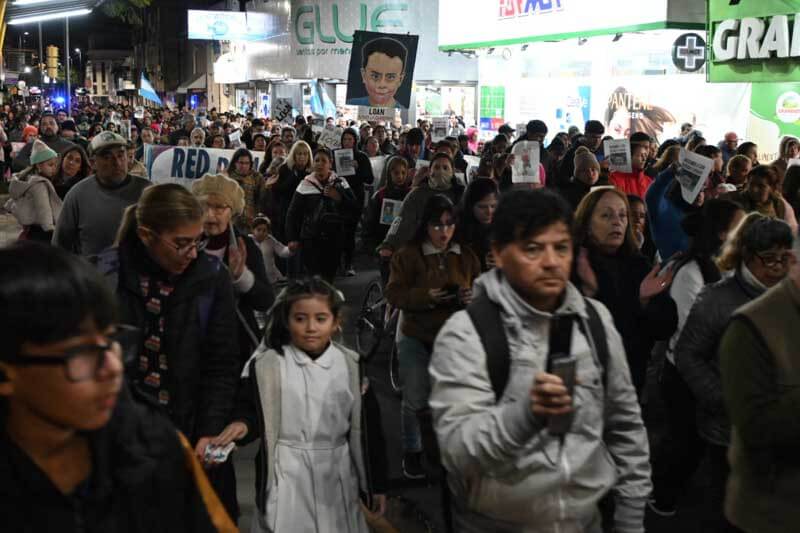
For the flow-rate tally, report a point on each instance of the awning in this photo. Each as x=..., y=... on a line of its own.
x=199, y=83
x=28, y=12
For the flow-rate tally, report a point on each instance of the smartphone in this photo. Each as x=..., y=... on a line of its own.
x=233, y=241
x=451, y=289
x=218, y=454
x=563, y=366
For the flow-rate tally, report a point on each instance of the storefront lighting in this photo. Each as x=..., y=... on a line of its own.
x=50, y=16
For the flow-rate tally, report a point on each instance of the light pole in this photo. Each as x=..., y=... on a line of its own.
x=66, y=49
x=79, y=79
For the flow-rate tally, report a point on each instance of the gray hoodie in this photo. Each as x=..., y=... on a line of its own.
x=505, y=471
x=33, y=200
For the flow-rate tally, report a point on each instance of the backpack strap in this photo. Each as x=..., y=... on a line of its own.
x=597, y=332
x=485, y=316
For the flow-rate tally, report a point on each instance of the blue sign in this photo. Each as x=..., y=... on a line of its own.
x=231, y=25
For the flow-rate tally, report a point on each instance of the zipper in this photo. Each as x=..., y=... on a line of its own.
x=264, y=449
x=562, y=505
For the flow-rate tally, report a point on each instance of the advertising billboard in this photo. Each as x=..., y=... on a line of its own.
x=231, y=25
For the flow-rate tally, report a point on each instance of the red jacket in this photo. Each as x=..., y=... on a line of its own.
x=635, y=183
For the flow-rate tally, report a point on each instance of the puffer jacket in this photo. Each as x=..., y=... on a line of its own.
x=696, y=352
x=506, y=473
x=33, y=200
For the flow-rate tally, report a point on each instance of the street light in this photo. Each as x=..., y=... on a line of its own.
x=49, y=16
x=27, y=70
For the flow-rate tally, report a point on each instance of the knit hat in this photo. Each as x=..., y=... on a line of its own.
x=40, y=152
x=223, y=187
x=595, y=127
x=585, y=160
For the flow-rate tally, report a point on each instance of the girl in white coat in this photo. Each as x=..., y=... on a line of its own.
x=304, y=396
x=33, y=199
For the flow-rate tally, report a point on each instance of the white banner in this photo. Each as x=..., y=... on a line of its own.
x=526, y=162
x=174, y=164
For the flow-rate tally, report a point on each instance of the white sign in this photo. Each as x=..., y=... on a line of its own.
x=376, y=114
x=473, y=163
x=526, y=162
x=390, y=210
x=477, y=23
x=125, y=129
x=281, y=109
x=618, y=153
x=378, y=163
x=176, y=164
x=330, y=138
x=439, y=127
x=235, y=138
x=692, y=173
x=138, y=112
x=344, y=162
x=231, y=25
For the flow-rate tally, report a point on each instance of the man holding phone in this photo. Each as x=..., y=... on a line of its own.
x=535, y=412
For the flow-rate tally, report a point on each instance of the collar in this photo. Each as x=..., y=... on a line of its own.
x=325, y=360
x=572, y=304
x=750, y=279
x=429, y=249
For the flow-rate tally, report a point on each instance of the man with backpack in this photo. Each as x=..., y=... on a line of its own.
x=533, y=404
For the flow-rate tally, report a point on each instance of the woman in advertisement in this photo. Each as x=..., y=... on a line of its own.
x=628, y=113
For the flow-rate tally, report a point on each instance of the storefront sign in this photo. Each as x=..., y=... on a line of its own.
x=230, y=25
x=689, y=52
x=755, y=41
x=469, y=24
x=316, y=23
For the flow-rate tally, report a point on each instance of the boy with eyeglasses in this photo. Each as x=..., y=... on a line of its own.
x=76, y=453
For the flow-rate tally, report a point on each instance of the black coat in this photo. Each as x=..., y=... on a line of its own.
x=203, y=358
x=302, y=209
x=282, y=192
x=139, y=483
x=618, y=280
x=363, y=176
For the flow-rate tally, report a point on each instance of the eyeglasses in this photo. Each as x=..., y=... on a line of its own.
x=184, y=249
x=442, y=227
x=771, y=261
x=82, y=363
x=217, y=209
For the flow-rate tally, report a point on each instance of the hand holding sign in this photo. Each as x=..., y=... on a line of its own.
x=618, y=155
x=525, y=165
x=692, y=172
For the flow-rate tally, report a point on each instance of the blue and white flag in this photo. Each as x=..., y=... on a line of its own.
x=146, y=91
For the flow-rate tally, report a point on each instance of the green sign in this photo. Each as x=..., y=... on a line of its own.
x=754, y=40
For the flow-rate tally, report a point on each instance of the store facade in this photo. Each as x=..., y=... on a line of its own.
x=567, y=61
x=314, y=43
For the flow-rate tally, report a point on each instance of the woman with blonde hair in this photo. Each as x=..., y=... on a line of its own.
x=187, y=358
x=297, y=166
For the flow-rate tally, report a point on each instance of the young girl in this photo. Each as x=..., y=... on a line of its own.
x=396, y=189
x=302, y=396
x=270, y=247
x=33, y=198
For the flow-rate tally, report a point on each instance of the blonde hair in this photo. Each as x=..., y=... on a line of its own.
x=160, y=208
x=737, y=162
x=669, y=156
x=299, y=145
x=733, y=250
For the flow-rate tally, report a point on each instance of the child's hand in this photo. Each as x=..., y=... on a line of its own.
x=294, y=246
x=378, y=508
x=234, y=432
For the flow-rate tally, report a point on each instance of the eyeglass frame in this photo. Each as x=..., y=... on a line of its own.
x=199, y=244
x=124, y=336
x=784, y=260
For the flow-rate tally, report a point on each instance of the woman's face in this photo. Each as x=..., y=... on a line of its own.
x=792, y=150
x=198, y=138
x=440, y=232
x=399, y=174
x=620, y=124
x=301, y=158
x=173, y=250
x=322, y=166
x=348, y=141
x=372, y=148
x=771, y=266
x=484, y=209
x=218, y=142
x=278, y=151
x=638, y=217
x=639, y=156
x=759, y=190
x=608, y=223
x=71, y=164
x=312, y=324
x=243, y=165
x=260, y=144
x=218, y=215
x=441, y=170
x=588, y=175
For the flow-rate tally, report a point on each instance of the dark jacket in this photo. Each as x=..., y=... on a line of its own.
x=300, y=220
x=374, y=230
x=140, y=483
x=696, y=352
x=567, y=167
x=760, y=367
x=618, y=280
x=202, y=351
x=22, y=160
x=574, y=190
x=665, y=211
x=258, y=298
x=282, y=192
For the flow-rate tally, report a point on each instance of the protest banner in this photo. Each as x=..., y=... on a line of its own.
x=330, y=138
x=377, y=114
x=344, y=162
x=381, y=69
x=618, y=153
x=177, y=164
x=439, y=127
x=390, y=210
x=522, y=131
x=281, y=109
x=692, y=173
x=526, y=162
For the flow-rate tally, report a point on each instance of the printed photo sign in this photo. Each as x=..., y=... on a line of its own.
x=381, y=70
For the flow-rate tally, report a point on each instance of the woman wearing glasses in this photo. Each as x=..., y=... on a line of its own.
x=758, y=255
x=182, y=299
x=431, y=278
x=223, y=200
x=76, y=453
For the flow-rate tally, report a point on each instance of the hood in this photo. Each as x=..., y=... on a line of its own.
x=515, y=309
x=22, y=182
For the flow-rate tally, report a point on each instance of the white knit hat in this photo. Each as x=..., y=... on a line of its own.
x=222, y=186
x=40, y=152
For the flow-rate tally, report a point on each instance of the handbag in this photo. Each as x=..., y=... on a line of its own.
x=326, y=222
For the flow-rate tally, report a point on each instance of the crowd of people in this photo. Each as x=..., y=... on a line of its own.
x=148, y=327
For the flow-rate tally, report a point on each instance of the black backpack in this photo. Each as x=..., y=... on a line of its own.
x=485, y=315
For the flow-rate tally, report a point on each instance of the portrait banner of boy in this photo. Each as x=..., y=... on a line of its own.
x=381, y=70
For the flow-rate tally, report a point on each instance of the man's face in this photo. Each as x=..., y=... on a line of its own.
x=538, y=267
x=380, y=134
x=111, y=165
x=593, y=141
x=382, y=78
x=731, y=142
x=62, y=116
x=48, y=126
x=147, y=137
x=287, y=136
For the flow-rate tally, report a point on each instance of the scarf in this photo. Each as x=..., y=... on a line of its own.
x=153, y=367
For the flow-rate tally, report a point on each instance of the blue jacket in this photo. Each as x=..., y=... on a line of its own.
x=665, y=216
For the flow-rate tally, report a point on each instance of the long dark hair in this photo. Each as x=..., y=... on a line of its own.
x=435, y=207
x=238, y=154
x=85, y=168
x=277, y=333
x=704, y=227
